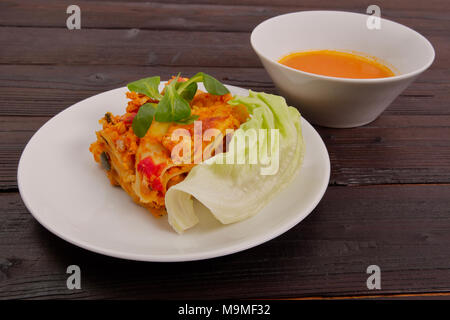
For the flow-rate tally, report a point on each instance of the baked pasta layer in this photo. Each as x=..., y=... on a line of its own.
x=143, y=167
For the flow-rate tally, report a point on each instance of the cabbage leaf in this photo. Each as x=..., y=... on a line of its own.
x=236, y=191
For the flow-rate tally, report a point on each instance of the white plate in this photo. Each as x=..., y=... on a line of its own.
x=70, y=195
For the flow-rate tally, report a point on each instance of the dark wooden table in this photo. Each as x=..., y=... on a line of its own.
x=388, y=202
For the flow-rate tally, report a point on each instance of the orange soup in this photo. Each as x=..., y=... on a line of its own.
x=336, y=64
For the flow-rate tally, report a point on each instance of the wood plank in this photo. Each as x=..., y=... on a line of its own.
x=380, y=153
x=363, y=156
x=125, y=47
x=419, y=6
x=46, y=90
x=413, y=149
x=406, y=296
x=388, y=120
x=403, y=229
x=194, y=17
x=58, y=46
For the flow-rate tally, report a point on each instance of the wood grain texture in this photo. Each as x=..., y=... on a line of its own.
x=125, y=47
x=403, y=229
x=54, y=88
x=226, y=16
x=389, y=197
x=379, y=154
x=402, y=154
x=415, y=6
x=57, y=46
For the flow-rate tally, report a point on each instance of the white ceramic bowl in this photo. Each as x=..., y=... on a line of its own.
x=339, y=102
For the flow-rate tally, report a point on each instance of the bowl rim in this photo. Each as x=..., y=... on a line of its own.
x=337, y=79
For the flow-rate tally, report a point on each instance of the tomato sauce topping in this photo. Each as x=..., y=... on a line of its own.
x=152, y=171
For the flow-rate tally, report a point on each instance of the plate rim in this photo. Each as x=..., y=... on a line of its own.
x=227, y=250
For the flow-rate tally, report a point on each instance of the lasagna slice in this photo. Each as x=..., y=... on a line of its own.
x=143, y=167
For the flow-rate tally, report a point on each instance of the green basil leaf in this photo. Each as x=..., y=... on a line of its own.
x=172, y=106
x=181, y=108
x=189, y=92
x=164, y=110
x=188, y=120
x=213, y=86
x=143, y=119
x=147, y=86
x=181, y=86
